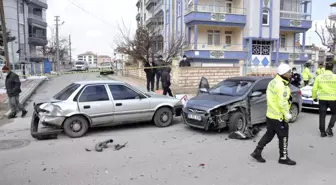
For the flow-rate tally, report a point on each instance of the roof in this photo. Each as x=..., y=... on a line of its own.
x=333, y=5
x=250, y=78
x=99, y=82
x=87, y=53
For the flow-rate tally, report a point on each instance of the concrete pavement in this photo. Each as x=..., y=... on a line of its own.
x=173, y=155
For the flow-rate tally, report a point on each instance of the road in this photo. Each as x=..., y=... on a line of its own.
x=173, y=155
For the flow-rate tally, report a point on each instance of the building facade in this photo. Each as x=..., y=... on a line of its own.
x=26, y=20
x=257, y=33
x=90, y=57
x=103, y=58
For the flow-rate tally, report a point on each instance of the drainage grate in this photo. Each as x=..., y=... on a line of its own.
x=13, y=144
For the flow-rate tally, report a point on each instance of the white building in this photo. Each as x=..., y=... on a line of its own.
x=90, y=57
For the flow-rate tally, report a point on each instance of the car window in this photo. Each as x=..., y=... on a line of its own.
x=65, y=93
x=94, y=93
x=105, y=64
x=231, y=87
x=261, y=85
x=121, y=92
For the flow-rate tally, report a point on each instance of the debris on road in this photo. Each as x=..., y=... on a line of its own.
x=99, y=146
x=248, y=134
x=88, y=150
x=118, y=147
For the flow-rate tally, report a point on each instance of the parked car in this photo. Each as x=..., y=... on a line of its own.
x=237, y=103
x=106, y=68
x=80, y=66
x=307, y=100
x=87, y=104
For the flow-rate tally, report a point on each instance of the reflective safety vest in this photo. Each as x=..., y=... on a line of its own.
x=306, y=74
x=325, y=86
x=277, y=96
x=320, y=71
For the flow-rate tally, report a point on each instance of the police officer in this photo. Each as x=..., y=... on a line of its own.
x=320, y=70
x=306, y=74
x=296, y=78
x=325, y=87
x=278, y=96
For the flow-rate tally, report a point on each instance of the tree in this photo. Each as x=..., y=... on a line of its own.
x=10, y=38
x=327, y=35
x=144, y=43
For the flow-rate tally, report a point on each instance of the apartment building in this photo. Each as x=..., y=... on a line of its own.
x=26, y=20
x=103, y=58
x=90, y=57
x=234, y=32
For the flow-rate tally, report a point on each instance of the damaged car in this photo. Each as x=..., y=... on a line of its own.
x=87, y=104
x=238, y=103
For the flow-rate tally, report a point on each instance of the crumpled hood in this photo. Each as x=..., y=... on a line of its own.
x=208, y=101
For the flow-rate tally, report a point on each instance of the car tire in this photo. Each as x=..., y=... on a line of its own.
x=294, y=111
x=163, y=117
x=237, y=122
x=82, y=126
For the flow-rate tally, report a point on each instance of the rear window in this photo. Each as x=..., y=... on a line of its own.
x=79, y=63
x=65, y=93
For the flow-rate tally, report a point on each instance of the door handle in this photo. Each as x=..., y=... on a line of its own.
x=118, y=104
x=87, y=106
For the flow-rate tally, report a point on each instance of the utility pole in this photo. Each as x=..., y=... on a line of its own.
x=70, y=48
x=57, y=43
x=4, y=33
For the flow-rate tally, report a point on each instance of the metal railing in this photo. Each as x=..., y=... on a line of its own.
x=215, y=9
x=37, y=17
x=34, y=35
x=291, y=49
x=217, y=47
x=295, y=15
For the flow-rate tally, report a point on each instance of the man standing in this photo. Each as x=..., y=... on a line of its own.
x=184, y=62
x=306, y=74
x=278, y=96
x=150, y=74
x=296, y=78
x=320, y=70
x=13, y=87
x=160, y=63
x=325, y=87
x=166, y=82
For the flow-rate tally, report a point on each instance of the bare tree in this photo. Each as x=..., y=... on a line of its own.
x=143, y=44
x=10, y=38
x=327, y=35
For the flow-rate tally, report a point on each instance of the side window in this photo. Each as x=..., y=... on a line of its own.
x=121, y=92
x=261, y=86
x=94, y=93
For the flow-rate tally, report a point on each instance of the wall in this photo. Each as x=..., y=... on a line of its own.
x=253, y=18
x=236, y=35
x=289, y=42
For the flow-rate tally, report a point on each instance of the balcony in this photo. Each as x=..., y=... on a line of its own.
x=137, y=17
x=37, y=40
x=291, y=54
x=37, y=19
x=138, y=3
x=295, y=21
x=221, y=51
x=150, y=4
x=215, y=16
x=154, y=21
x=40, y=3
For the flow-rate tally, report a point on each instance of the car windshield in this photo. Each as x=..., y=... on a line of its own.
x=79, y=63
x=105, y=64
x=231, y=87
x=65, y=93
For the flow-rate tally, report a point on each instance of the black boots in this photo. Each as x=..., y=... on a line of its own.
x=323, y=134
x=329, y=132
x=257, y=155
x=287, y=161
x=12, y=115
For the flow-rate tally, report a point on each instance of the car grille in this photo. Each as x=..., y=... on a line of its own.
x=197, y=111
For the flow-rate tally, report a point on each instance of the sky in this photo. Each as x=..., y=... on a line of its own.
x=92, y=24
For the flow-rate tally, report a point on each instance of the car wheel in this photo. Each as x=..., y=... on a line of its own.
x=163, y=117
x=294, y=111
x=76, y=126
x=237, y=122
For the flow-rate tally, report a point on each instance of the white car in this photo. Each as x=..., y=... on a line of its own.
x=80, y=66
x=307, y=100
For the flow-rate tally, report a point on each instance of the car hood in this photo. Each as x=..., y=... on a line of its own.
x=307, y=90
x=209, y=101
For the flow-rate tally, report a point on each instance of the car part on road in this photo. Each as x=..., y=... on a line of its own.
x=163, y=117
x=248, y=134
x=76, y=126
x=118, y=147
x=99, y=146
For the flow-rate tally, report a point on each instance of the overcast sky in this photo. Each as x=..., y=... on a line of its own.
x=92, y=28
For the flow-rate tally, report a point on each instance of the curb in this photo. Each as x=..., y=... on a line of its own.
x=28, y=95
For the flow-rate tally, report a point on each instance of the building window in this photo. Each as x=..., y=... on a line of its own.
x=214, y=37
x=265, y=17
x=228, y=7
x=21, y=7
x=283, y=41
x=228, y=37
x=261, y=47
x=179, y=8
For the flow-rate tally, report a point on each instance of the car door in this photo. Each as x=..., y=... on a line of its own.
x=95, y=101
x=259, y=104
x=130, y=106
x=203, y=86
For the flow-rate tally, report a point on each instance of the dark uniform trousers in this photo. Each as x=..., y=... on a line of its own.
x=167, y=90
x=323, y=107
x=279, y=128
x=150, y=82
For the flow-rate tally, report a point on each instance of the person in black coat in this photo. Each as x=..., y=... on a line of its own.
x=185, y=62
x=165, y=79
x=160, y=63
x=150, y=71
x=296, y=78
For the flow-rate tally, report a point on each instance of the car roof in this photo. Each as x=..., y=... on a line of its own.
x=249, y=78
x=99, y=82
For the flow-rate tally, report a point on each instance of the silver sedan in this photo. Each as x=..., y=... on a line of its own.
x=87, y=104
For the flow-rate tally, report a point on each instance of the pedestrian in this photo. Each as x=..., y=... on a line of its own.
x=160, y=63
x=184, y=62
x=150, y=74
x=165, y=79
x=296, y=78
x=278, y=97
x=325, y=87
x=320, y=70
x=13, y=87
x=306, y=74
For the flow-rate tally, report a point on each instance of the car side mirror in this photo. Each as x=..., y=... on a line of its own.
x=256, y=94
x=203, y=90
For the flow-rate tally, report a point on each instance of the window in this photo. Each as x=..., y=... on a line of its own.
x=179, y=8
x=261, y=47
x=261, y=86
x=94, y=93
x=229, y=7
x=121, y=92
x=214, y=37
x=65, y=93
x=231, y=87
x=228, y=37
x=21, y=7
x=265, y=17
x=283, y=41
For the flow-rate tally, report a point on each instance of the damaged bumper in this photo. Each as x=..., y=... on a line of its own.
x=178, y=110
x=194, y=119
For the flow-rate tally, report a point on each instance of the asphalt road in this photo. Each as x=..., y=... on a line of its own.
x=175, y=155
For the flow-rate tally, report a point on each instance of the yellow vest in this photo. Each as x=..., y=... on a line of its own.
x=325, y=86
x=306, y=74
x=277, y=96
x=320, y=71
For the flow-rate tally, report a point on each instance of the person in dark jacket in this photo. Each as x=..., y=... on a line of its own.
x=150, y=71
x=165, y=79
x=296, y=78
x=185, y=62
x=13, y=87
x=160, y=63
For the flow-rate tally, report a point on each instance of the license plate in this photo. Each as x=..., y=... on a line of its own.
x=308, y=102
x=195, y=117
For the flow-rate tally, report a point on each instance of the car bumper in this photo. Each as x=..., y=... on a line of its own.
x=45, y=119
x=201, y=123
x=308, y=103
x=78, y=68
x=178, y=110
